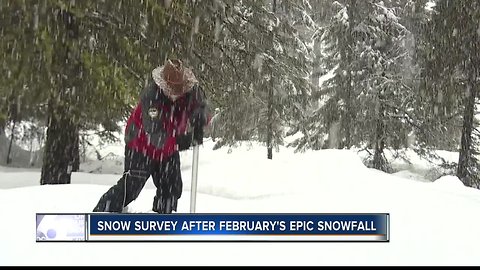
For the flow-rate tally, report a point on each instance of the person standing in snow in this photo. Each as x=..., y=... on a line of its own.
x=170, y=117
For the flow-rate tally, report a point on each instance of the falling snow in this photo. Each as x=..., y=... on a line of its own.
x=388, y=80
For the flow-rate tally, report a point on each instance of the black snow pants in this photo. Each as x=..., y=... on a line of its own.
x=166, y=176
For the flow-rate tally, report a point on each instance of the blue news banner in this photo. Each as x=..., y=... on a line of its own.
x=213, y=227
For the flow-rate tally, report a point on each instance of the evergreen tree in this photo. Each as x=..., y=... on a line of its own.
x=362, y=104
x=331, y=107
x=17, y=50
x=87, y=64
x=254, y=62
x=455, y=34
x=433, y=116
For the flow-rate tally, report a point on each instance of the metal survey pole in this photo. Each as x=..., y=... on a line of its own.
x=193, y=189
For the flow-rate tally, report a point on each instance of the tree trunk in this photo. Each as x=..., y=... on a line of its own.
x=12, y=137
x=465, y=160
x=349, y=54
x=270, y=104
x=76, y=152
x=13, y=111
x=269, y=122
x=61, y=154
x=58, y=157
x=2, y=127
x=379, y=161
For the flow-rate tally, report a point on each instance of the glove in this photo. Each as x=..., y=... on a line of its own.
x=184, y=141
x=197, y=138
x=199, y=118
x=198, y=121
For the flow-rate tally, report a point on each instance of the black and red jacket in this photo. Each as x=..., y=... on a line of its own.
x=157, y=121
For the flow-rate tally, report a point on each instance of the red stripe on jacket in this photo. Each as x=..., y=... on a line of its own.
x=175, y=116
